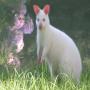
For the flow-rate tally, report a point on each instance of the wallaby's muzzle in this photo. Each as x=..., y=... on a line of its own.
x=40, y=26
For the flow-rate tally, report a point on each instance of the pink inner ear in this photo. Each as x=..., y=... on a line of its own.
x=46, y=9
x=36, y=9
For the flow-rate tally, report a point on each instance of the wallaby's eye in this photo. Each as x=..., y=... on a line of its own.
x=38, y=19
x=44, y=19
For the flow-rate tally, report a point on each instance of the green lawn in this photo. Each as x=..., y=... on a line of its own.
x=38, y=80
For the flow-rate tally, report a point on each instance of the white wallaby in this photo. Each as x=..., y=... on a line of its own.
x=57, y=48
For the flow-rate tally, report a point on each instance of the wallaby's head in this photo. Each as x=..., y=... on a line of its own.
x=42, y=19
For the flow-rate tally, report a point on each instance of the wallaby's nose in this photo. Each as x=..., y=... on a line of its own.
x=40, y=26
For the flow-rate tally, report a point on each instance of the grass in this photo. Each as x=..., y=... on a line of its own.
x=26, y=80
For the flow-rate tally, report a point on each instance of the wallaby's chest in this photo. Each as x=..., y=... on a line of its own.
x=41, y=38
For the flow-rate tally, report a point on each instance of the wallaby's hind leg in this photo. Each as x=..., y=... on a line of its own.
x=53, y=72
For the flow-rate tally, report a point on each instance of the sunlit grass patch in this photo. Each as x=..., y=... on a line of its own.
x=26, y=80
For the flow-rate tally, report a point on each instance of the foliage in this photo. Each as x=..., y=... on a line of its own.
x=26, y=80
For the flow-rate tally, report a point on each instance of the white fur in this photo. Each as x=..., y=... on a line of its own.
x=58, y=49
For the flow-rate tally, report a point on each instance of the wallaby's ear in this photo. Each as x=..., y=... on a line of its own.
x=36, y=9
x=46, y=9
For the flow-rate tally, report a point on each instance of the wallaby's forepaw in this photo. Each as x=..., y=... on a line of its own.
x=39, y=61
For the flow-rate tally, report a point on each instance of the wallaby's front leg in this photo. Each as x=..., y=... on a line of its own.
x=39, y=53
x=44, y=53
